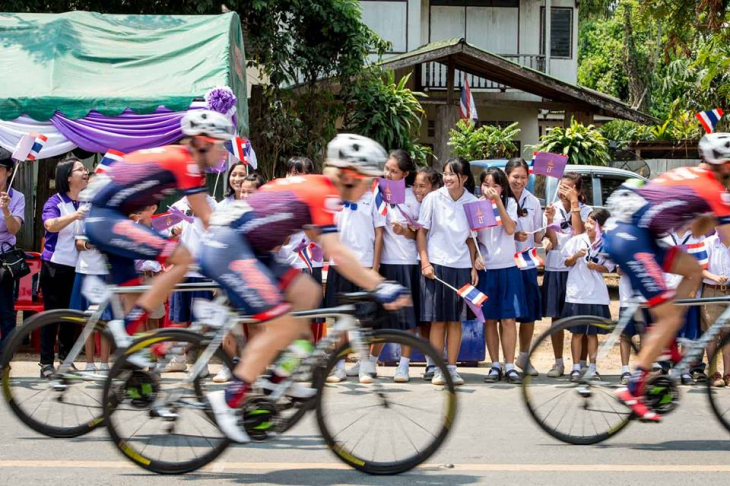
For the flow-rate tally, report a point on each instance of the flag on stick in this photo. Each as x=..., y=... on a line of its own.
x=110, y=158
x=481, y=214
x=467, y=107
x=393, y=192
x=528, y=259
x=29, y=146
x=548, y=164
x=710, y=118
x=379, y=200
x=241, y=149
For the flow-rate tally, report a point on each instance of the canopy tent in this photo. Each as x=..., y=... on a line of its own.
x=113, y=81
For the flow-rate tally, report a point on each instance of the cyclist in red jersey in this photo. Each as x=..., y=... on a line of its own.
x=237, y=253
x=138, y=180
x=694, y=197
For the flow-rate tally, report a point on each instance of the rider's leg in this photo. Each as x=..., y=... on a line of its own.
x=669, y=318
x=303, y=294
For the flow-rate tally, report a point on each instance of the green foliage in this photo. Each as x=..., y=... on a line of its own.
x=485, y=142
x=386, y=111
x=582, y=144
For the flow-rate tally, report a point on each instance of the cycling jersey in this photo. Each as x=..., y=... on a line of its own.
x=679, y=196
x=146, y=177
x=284, y=206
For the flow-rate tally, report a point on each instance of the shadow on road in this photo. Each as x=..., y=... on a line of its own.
x=675, y=445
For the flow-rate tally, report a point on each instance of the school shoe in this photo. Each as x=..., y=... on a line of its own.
x=428, y=374
x=556, y=371
x=176, y=365
x=338, y=375
x=229, y=419
x=438, y=378
x=717, y=380
x=367, y=371
x=512, y=376
x=687, y=379
x=456, y=379
x=575, y=376
x=526, y=366
x=354, y=370
x=637, y=405
x=90, y=368
x=625, y=377
x=401, y=374
x=699, y=376
x=47, y=371
x=223, y=376
x=104, y=369
x=494, y=375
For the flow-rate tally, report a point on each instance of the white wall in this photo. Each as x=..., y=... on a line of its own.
x=389, y=19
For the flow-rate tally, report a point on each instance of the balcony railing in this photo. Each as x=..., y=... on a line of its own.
x=433, y=75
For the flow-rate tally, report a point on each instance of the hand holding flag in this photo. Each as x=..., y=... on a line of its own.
x=482, y=214
x=472, y=297
x=160, y=222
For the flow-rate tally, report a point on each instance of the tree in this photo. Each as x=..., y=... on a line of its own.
x=485, y=142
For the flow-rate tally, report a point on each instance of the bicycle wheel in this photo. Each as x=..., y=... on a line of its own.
x=63, y=406
x=368, y=426
x=184, y=438
x=578, y=412
x=720, y=397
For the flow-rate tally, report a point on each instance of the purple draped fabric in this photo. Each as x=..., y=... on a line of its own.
x=127, y=132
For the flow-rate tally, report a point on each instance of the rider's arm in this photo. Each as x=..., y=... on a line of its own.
x=201, y=209
x=347, y=265
x=703, y=225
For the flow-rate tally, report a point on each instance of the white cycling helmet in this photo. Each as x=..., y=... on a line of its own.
x=715, y=148
x=207, y=123
x=348, y=151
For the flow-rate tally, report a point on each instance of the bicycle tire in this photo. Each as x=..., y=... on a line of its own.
x=126, y=445
x=393, y=467
x=16, y=339
x=622, y=415
x=714, y=394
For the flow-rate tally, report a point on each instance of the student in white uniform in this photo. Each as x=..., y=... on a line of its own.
x=427, y=181
x=361, y=229
x=399, y=262
x=586, y=292
x=715, y=284
x=569, y=212
x=447, y=251
x=501, y=282
x=529, y=218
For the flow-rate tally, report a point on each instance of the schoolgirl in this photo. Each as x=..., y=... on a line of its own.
x=501, y=281
x=568, y=214
x=447, y=252
x=586, y=292
x=527, y=236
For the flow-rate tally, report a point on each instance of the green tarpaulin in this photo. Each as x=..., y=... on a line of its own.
x=76, y=62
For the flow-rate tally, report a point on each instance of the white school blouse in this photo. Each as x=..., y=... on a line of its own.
x=357, y=229
x=497, y=247
x=530, y=222
x=447, y=228
x=554, y=262
x=585, y=286
x=397, y=249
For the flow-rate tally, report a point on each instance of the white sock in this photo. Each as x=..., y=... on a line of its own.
x=583, y=363
x=404, y=361
x=592, y=367
x=497, y=364
x=451, y=368
x=625, y=369
x=509, y=366
x=429, y=361
x=558, y=361
x=576, y=367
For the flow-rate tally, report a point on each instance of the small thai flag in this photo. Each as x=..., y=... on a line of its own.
x=467, y=107
x=379, y=199
x=497, y=217
x=709, y=119
x=306, y=256
x=241, y=149
x=471, y=294
x=528, y=259
x=40, y=141
x=699, y=251
x=110, y=158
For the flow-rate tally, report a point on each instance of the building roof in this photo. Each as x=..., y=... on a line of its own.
x=75, y=62
x=473, y=60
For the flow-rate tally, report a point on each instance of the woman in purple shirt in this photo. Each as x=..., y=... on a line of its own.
x=60, y=255
x=12, y=208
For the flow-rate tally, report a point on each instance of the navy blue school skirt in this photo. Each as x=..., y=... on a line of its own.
x=409, y=276
x=554, y=285
x=533, y=297
x=337, y=284
x=506, y=295
x=438, y=302
x=316, y=274
x=571, y=310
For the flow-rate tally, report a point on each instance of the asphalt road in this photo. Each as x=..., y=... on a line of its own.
x=493, y=442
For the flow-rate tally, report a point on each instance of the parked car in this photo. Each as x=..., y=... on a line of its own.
x=599, y=181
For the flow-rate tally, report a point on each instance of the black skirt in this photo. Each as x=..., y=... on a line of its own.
x=409, y=276
x=316, y=274
x=440, y=303
x=554, y=285
x=337, y=284
x=597, y=310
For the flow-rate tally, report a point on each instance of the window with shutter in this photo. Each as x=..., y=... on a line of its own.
x=561, y=32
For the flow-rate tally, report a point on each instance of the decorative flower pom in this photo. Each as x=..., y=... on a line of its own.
x=222, y=100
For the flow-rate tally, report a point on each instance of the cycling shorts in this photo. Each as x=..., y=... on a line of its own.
x=642, y=257
x=123, y=241
x=254, y=283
